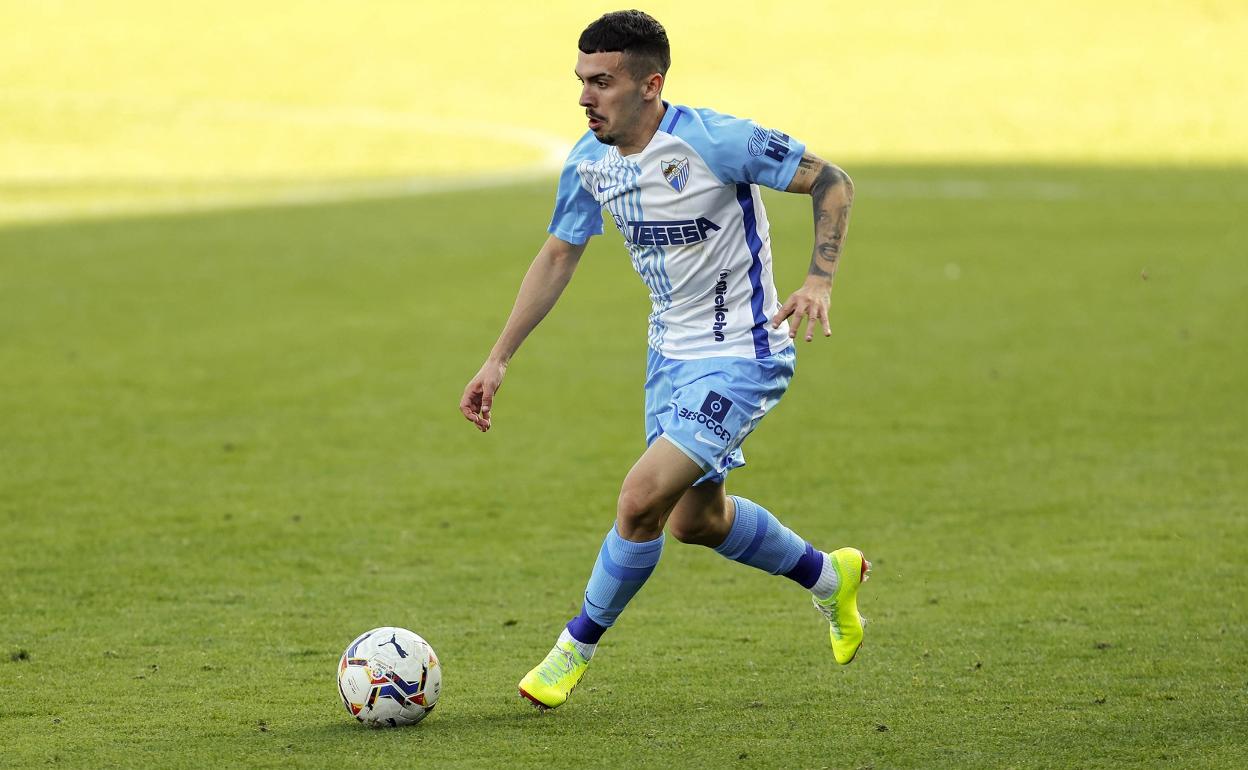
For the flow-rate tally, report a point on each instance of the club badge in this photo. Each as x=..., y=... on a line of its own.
x=676, y=172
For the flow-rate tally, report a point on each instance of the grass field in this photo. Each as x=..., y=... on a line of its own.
x=230, y=444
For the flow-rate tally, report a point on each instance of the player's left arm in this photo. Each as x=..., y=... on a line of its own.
x=832, y=193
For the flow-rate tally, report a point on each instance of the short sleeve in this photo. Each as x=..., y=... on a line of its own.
x=577, y=215
x=739, y=150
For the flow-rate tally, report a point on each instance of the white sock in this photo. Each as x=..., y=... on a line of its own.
x=586, y=650
x=828, y=581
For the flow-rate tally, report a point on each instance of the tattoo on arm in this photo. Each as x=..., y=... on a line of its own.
x=832, y=192
x=807, y=172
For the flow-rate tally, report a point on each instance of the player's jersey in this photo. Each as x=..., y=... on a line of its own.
x=689, y=209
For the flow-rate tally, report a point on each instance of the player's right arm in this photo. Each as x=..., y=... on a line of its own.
x=545, y=281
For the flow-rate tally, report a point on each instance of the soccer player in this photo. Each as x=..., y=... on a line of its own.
x=681, y=185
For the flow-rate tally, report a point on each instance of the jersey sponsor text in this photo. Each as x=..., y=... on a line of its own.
x=680, y=232
x=720, y=309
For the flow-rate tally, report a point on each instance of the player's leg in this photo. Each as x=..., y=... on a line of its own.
x=715, y=405
x=744, y=531
x=628, y=556
x=632, y=547
x=702, y=516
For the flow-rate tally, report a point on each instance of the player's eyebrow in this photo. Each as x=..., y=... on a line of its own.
x=596, y=76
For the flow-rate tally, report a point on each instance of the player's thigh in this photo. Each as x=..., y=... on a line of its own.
x=658, y=480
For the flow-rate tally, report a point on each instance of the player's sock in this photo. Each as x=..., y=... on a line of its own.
x=586, y=650
x=827, y=582
x=583, y=632
x=620, y=571
x=758, y=539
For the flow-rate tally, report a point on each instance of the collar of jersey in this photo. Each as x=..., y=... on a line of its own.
x=667, y=112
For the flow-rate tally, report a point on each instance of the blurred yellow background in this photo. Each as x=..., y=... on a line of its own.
x=134, y=105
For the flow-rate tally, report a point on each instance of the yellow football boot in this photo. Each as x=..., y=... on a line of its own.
x=548, y=685
x=841, y=609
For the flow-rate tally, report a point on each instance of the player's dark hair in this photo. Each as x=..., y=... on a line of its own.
x=637, y=34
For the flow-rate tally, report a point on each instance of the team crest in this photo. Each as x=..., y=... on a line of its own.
x=676, y=172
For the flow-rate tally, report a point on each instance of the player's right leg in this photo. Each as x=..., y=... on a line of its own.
x=628, y=556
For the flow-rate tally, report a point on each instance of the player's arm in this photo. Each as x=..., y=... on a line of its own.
x=832, y=193
x=546, y=279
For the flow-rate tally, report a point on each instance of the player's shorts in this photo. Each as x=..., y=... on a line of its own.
x=707, y=406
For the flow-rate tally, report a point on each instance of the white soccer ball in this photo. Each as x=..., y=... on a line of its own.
x=389, y=677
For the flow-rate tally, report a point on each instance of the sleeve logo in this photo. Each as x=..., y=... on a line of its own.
x=774, y=144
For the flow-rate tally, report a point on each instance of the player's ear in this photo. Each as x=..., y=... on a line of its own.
x=653, y=86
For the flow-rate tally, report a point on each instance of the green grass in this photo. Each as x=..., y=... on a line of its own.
x=229, y=443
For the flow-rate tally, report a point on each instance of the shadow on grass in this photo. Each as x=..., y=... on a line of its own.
x=447, y=725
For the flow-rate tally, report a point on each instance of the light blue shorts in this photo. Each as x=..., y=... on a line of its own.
x=707, y=406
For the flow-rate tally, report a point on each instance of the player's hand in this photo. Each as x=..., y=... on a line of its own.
x=809, y=304
x=478, y=396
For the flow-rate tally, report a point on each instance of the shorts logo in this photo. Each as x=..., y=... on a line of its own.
x=715, y=406
x=774, y=144
x=676, y=172
x=714, y=410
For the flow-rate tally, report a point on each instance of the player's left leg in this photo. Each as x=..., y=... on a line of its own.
x=744, y=531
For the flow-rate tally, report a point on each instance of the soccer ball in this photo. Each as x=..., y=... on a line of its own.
x=389, y=677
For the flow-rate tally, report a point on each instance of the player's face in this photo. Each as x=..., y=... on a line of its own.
x=612, y=98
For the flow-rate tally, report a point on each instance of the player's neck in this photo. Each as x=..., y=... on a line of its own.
x=648, y=125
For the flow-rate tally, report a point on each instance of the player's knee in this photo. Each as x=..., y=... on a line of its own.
x=639, y=509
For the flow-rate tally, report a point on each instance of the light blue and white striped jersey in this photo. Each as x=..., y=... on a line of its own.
x=689, y=209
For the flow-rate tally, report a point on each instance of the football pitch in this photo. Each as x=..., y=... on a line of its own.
x=230, y=444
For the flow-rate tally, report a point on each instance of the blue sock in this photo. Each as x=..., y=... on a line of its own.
x=619, y=573
x=758, y=539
